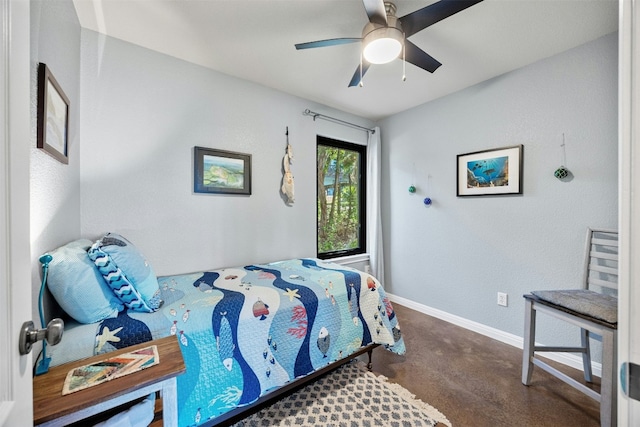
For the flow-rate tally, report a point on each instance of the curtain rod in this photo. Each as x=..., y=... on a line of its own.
x=315, y=116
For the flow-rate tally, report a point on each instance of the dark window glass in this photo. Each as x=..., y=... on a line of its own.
x=341, y=203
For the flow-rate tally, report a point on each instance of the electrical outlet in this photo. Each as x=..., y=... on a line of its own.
x=502, y=299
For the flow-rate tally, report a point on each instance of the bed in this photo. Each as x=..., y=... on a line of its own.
x=244, y=332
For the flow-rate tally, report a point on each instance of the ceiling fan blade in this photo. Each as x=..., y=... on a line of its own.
x=429, y=15
x=355, y=80
x=420, y=58
x=328, y=42
x=376, y=11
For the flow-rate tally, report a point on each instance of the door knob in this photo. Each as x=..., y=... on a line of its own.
x=30, y=335
x=630, y=379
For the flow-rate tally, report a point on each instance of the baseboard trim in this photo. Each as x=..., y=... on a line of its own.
x=502, y=336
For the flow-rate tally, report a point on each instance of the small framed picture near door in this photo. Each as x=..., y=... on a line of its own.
x=53, y=116
x=221, y=172
x=490, y=172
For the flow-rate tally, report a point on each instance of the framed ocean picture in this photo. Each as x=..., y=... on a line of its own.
x=490, y=172
x=221, y=172
x=53, y=116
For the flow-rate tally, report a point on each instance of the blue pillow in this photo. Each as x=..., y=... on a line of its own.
x=77, y=285
x=133, y=266
x=117, y=281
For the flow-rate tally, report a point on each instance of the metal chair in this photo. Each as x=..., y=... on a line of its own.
x=594, y=309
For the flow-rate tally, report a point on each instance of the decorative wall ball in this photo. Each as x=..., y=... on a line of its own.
x=561, y=172
x=427, y=201
x=412, y=189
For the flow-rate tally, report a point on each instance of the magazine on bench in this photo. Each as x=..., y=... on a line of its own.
x=113, y=367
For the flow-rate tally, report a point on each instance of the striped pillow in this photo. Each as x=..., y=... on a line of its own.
x=117, y=281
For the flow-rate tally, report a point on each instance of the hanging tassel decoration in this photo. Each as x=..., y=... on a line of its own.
x=361, y=84
x=287, y=188
x=427, y=200
x=404, y=64
x=562, y=172
x=412, y=187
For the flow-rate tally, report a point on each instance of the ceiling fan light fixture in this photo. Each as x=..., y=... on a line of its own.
x=382, y=45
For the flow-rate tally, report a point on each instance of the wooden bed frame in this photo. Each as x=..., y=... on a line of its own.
x=237, y=414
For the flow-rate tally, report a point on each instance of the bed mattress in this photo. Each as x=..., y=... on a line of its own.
x=244, y=331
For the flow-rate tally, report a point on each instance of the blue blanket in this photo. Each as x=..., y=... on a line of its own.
x=245, y=331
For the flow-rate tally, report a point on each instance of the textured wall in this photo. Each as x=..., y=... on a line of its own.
x=143, y=112
x=55, y=187
x=457, y=254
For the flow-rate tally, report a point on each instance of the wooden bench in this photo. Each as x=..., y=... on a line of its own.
x=51, y=408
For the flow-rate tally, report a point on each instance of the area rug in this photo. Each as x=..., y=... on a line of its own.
x=350, y=396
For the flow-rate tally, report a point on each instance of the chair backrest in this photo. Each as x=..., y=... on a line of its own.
x=601, y=261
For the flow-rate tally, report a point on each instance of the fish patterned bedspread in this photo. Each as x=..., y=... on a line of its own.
x=245, y=331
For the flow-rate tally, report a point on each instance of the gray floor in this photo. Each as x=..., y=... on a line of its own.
x=475, y=380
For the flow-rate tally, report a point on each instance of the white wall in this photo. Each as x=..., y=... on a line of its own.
x=55, y=187
x=458, y=253
x=143, y=112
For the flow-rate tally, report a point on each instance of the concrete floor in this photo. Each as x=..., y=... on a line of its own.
x=475, y=380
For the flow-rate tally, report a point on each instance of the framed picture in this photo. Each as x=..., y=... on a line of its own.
x=53, y=116
x=490, y=172
x=218, y=171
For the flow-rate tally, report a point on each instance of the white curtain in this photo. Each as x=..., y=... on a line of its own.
x=374, y=222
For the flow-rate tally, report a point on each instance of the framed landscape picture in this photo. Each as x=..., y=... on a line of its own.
x=53, y=116
x=490, y=172
x=221, y=172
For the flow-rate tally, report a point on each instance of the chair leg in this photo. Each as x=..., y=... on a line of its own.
x=586, y=355
x=609, y=387
x=529, y=342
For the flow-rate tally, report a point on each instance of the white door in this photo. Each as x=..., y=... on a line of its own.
x=16, y=406
x=629, y=183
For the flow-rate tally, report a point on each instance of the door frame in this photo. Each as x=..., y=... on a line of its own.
x=629, y=200
x=15, y=252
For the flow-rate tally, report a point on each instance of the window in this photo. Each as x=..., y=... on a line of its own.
x=341, y=201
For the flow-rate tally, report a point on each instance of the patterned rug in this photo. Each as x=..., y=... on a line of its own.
x=348, y=397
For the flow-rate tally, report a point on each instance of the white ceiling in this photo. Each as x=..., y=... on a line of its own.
x=254, y=40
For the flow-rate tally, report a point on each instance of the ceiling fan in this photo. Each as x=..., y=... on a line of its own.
x=385, y=35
